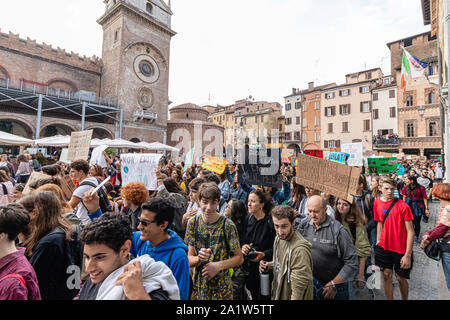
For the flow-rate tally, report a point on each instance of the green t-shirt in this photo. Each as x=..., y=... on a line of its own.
x=198, y=234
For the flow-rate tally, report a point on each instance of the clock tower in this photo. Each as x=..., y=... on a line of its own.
x=136, y=54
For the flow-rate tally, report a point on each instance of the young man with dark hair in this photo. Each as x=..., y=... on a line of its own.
x=112, y=276
x=292, y=264
x=395, y=237
x=160, y=243
x=214, y=248
x=79, y=171
x=18, y=279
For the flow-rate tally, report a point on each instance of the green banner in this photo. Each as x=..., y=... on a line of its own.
x=382, y=165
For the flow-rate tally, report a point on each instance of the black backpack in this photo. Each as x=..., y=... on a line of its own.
x=105, y=204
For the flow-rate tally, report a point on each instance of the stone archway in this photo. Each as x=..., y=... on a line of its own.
x=135, y=140
x=17, y=127
x=101, y=133
x=53, y=129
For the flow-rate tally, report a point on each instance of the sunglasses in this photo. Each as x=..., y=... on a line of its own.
x=145, y=223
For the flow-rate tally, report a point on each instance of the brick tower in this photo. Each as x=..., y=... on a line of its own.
x=136, y=51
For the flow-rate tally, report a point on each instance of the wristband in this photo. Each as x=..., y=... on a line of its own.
x=332, y=283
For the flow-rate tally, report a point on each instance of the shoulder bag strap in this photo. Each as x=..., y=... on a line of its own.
x=389, y=210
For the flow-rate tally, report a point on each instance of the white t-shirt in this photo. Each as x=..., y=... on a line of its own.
x=79, y=192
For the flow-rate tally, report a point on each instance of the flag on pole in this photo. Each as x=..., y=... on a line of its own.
x=411, y=66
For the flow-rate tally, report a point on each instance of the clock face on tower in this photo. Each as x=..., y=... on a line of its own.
x=146, y=68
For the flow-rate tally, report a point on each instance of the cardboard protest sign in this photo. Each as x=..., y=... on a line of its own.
x=314, y=153
x=80, y=142
x=355, y=150
x=327, y=176
x=340, y=157
x=139, y=167
x=35, y=175
x=382, y=165
x=67, y=186
x=214, y=164
x=287, y=155
x=97, y=156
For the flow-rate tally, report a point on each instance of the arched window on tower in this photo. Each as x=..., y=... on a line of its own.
x=149, y=7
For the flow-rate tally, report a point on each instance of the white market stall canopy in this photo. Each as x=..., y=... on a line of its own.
x=161, y=147
x=55, y=141
x=11, y=139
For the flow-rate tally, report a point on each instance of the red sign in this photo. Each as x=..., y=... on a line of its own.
x=314, y=153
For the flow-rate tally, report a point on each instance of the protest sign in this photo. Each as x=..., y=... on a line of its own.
x=287, y=155
x=188, y=159
x=314, y=153
x=251, y=174
x=63, y=155
x=382, y=165
x=80, y=142
x=67, y=186
x=139, y=167
x=35, y=175
x=214, y=164
x=340, y=157
x=327, y=176
x=97, y=156
x=355, y=150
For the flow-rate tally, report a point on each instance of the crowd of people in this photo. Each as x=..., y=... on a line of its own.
x=204, y=236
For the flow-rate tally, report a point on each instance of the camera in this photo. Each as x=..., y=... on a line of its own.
x=251, y=253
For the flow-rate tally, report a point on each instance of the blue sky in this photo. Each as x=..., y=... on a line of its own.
x=227, y=50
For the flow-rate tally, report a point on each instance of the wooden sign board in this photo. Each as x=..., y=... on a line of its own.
x=67, y=186
x=80, y=142
x=35, y=175
x=331, y=177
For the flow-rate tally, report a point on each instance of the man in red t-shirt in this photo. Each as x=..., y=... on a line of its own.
x=394, y=239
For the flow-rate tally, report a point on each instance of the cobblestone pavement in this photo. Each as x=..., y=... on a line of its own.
x=427, y=281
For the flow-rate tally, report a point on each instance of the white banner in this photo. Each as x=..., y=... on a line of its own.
x=355, y=150
x=97, y=156
x=139, y=167
x=63, y=155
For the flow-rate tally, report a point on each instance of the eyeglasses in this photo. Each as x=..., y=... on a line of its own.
x=145, y=222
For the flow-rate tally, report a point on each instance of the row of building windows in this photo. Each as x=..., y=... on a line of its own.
x=345, y=127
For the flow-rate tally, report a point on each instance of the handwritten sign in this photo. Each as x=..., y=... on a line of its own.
x=382, y=165
x=340, y=157
x=314, y=153
x=327, y=176
x=287, y=155
x=35, y=175
x=214, y=164
x=67, y=186
x=97, y=156
x=139, y=167
x=355, y=150
x=80, y=142
x=63, y=155
x=251, y=174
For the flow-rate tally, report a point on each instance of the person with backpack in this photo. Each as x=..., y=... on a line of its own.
x=162, y=244
x=49, y=249
x=214, y=248
x=335, y=260
x=79, y=170
x=18, y=279
x=395, y=237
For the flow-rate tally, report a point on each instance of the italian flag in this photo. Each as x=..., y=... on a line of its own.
x=410, y=67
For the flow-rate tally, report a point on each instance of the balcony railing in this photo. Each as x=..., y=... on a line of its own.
x=385, y=142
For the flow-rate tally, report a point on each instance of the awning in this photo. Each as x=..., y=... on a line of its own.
x=11, y=139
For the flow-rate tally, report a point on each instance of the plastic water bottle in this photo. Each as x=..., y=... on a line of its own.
x=265, y=283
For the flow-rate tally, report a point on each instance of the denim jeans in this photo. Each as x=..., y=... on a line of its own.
x=342, y=290
x=446, y=266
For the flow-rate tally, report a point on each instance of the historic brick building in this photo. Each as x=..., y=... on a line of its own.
x=45, y=91
x=189, y=127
